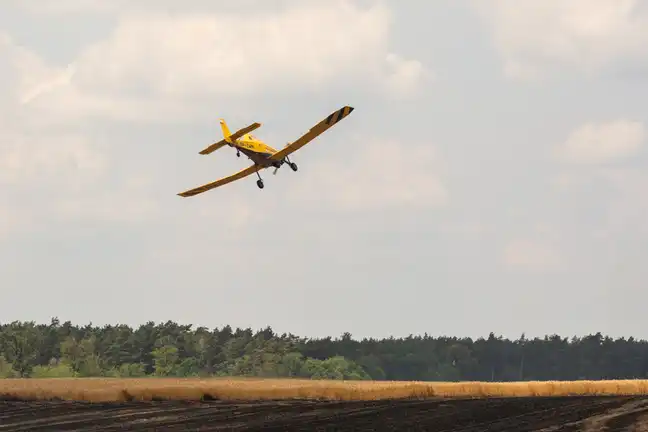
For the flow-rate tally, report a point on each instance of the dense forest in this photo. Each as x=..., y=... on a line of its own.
x=28, y=349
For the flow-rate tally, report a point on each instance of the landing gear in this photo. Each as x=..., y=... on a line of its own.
x=293, y=165
x=277, y=164
x=238, y=153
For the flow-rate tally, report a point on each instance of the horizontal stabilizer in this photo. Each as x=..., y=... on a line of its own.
x=212, y=148
x=239, y=133
x=229, y=139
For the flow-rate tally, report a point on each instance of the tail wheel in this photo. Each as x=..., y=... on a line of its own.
x=260, y=183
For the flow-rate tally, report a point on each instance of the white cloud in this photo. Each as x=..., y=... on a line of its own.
x=69, y=6
x=119, y=206
x=13, y=221
x=628, y=208
x=56, y=79
x=594, y=143
x=156, y=66
x=46, y=169
x=377, y=174
x=155, y=61
x=27, y=157
x=530, y=253
x=31, y=153
x=623, y=192
x=405, y=76
x=536, y=36
x=118, y=7
x=21, y=70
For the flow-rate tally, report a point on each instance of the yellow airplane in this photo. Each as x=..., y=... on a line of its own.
x=262, y=155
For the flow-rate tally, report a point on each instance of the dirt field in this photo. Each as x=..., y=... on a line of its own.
x=577, y=413
x=102, y=404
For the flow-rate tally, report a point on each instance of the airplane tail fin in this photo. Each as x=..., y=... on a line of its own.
x=228, y=137
x=226, y=132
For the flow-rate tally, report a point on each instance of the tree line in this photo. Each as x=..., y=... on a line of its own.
x=28, y=349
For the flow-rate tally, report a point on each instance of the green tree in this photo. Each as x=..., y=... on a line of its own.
x=20, y=344
x=6, y=369
x=170, y=349
x=165, y=360
x=127, y=370
x=189, y=367
x=291, y=364
x=56, y=370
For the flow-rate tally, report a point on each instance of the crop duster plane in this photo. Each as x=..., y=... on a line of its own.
x=262, y=155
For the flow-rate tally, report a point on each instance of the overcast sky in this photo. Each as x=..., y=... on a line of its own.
x=491, y=178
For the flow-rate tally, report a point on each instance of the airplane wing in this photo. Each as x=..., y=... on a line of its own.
x=236, y=135
x=204, y=188
x=313, y=133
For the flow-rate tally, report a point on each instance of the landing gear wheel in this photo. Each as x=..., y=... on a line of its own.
x=260, y=183
x=293, y=166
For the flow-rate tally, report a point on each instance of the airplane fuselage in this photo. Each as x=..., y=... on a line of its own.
x=257, y=151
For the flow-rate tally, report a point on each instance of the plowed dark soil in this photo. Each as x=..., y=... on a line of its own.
x=588, y=414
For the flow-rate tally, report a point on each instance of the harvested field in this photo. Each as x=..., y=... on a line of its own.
x=577, y=413
x=147, y=389
x=283, y=404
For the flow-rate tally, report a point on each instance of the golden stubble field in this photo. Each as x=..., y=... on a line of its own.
x=118, y=389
